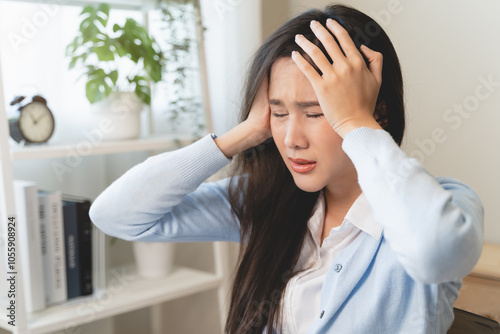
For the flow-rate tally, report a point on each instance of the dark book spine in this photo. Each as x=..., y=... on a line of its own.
x=85, y=248
x=71, y=236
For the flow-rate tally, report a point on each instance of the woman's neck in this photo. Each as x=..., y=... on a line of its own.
x=338, y=201
x=343, y=193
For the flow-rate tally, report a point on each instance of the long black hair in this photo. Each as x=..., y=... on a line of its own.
x=273, y=212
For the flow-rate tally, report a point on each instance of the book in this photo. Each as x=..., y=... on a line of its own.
x=78, y=240
x=29, y=244
x=52, y=247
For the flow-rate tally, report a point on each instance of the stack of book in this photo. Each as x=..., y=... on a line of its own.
x=55, y=245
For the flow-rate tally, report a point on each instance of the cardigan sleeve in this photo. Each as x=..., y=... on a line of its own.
x=164, y=199
x=434, y=225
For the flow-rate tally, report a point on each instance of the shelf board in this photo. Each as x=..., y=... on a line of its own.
x=86, y=148
x=125, y=292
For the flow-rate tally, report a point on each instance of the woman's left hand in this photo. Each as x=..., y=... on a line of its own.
x=347, y=91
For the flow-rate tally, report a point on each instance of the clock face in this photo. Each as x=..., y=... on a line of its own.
x=36, y=122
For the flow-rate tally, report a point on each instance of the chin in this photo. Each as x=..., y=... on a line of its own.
x=308, y=185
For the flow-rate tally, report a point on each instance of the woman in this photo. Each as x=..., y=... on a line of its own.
x=341, y=231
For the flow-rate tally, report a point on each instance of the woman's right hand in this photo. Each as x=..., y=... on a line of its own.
x=251, y=132
x=260, y=113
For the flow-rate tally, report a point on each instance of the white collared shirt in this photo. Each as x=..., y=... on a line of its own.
x=301, y=302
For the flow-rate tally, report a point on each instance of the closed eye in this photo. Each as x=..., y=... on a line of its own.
x=315, y=115
x=307, y=115
x=279, y=115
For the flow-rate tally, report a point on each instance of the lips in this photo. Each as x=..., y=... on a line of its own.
x=302, y=165
x=301, y=161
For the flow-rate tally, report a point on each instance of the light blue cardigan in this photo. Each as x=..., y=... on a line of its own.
x=404, y=282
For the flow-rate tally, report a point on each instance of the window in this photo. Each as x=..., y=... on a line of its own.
x=33, y=40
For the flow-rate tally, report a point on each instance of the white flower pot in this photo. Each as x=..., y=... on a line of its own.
x=154, y=259
x=118, y=116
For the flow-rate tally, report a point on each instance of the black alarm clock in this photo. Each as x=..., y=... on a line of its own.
x=35, y=122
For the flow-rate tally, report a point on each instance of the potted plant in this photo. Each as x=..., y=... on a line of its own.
x=119, y=66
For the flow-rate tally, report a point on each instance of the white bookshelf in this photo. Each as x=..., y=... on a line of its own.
x=137, y=293
x=127, y=294
x=53, y=151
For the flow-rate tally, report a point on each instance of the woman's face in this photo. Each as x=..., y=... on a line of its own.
x=301, y=131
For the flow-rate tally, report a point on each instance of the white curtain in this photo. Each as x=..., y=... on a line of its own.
x=233, y=34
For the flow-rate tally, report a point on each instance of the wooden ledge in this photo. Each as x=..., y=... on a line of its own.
x=488, y=265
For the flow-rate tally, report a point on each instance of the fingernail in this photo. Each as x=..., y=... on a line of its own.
x=298, y=37
x=314, y=23
x=329, y=21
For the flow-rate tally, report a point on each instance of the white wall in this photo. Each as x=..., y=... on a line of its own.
x=447, y=49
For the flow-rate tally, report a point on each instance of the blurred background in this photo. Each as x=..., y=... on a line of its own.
x=448, y=50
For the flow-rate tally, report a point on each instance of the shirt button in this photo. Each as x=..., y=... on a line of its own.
x=321, y=315
x=338, y=267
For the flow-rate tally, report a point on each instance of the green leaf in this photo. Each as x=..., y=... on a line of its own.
x=90, y=33
x=104, y=53
x=120, y=50
x=140, y=80
x=92, y=91
x=144, y=93
x=107, y=88
x=102, y=20
x=84, y=25
x=154, y=70
x=73, y=62
x=96, y=71
x=114, y=76
x=104, y=8
x=134, y=52
x=131, y=24
x=88, y=10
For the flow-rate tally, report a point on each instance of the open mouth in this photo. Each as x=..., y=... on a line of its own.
x=302, y=167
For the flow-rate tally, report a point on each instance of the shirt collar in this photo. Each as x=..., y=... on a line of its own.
x=360, y=215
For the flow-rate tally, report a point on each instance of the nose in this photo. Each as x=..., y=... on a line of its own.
x=295, y=136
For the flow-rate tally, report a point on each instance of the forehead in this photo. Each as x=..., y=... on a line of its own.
x=288, y=83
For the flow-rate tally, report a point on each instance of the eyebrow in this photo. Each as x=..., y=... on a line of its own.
x=302, y=104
